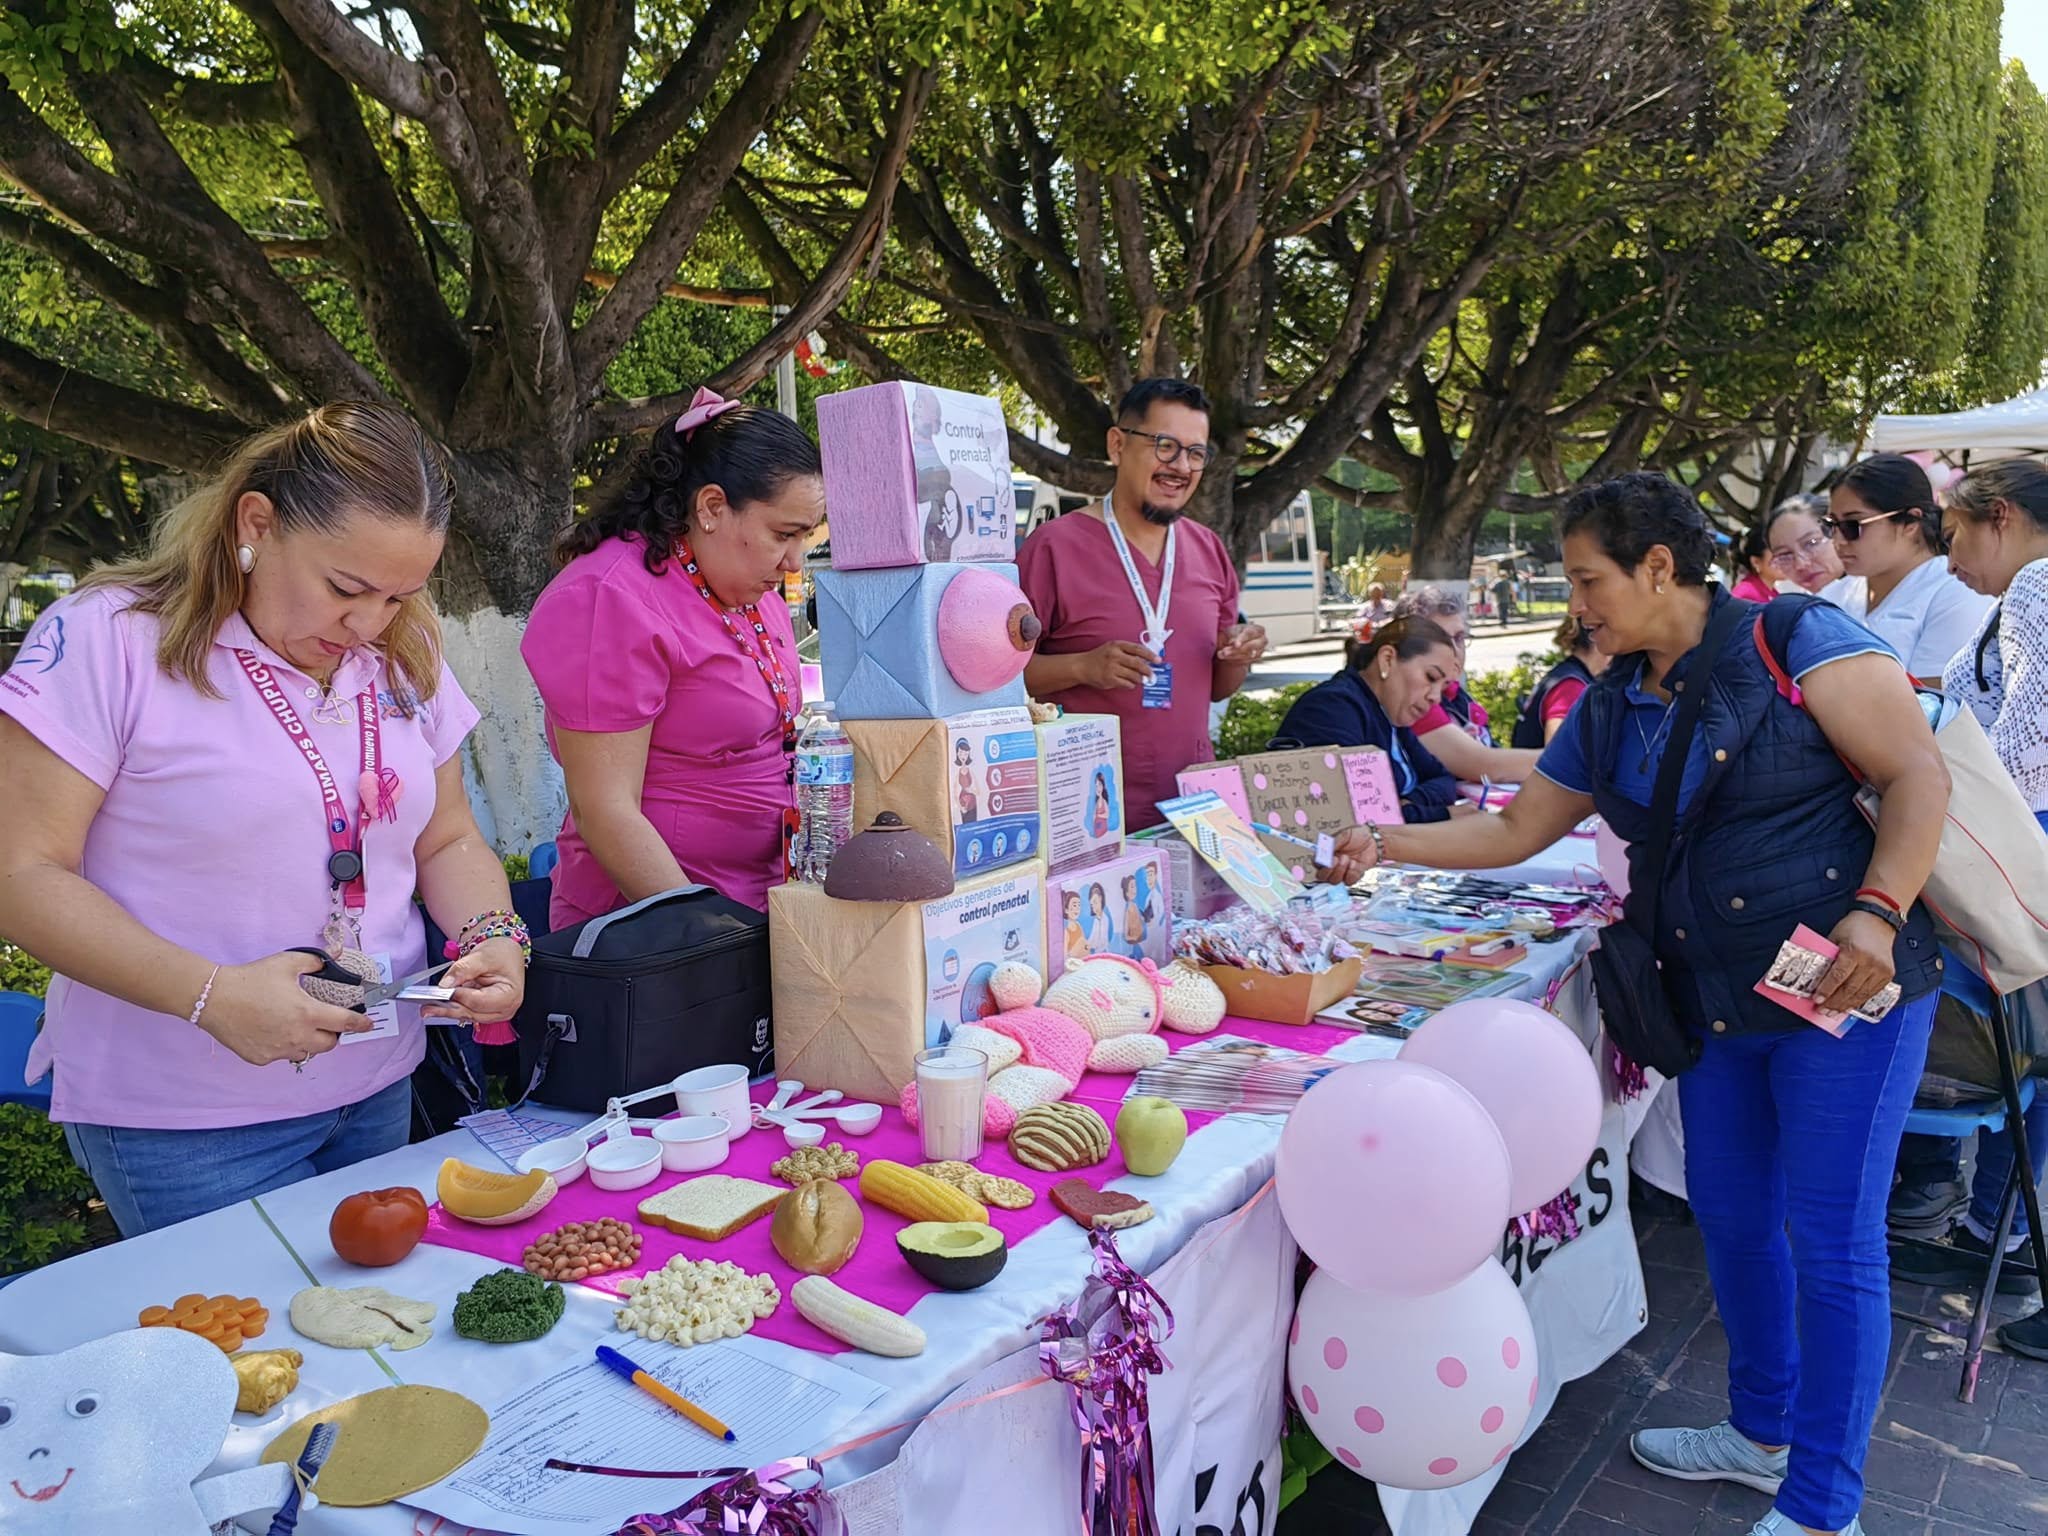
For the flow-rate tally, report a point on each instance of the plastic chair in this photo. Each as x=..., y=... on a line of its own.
x=19, y=1016
x=2009, y=1109
x=542, y=861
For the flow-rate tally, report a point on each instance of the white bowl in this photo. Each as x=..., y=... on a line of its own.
x=859, y=1119
x=803, y=1133
x=624, y=1162
x=693, y=1143
x=564, y=1157
x=720, y=1091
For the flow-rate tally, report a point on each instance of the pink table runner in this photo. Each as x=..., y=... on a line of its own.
x=876, y=1271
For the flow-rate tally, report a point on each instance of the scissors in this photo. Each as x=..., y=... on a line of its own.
x=375, y=993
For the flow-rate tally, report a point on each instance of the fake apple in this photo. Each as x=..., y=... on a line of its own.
x=378, y=1227
x=1151, y=1132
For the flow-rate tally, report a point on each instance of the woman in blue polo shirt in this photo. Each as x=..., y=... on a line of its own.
x=1790, y=1131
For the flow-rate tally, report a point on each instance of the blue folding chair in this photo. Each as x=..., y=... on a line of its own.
x=2007, y=1110
x=20, y=1014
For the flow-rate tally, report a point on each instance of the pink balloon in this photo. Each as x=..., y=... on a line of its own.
x=1415, y=1391
x=1532, y=1075
x=1611, y=854
x=1393, y=1178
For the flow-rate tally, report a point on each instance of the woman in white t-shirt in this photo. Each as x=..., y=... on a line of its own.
x=1998, y=527
x=1887, y=531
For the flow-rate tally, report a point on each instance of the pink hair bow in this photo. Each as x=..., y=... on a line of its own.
x=704, y=406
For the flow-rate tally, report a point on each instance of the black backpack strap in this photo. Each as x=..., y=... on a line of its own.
x=1727, y=621
x=1988, y=639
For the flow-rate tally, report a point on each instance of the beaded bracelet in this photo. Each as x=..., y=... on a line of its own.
x=205, y=992
x=484, y=927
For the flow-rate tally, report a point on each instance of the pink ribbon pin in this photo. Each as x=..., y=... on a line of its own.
x=704, y=406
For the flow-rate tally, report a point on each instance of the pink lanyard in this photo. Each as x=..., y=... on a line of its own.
x=345, y=865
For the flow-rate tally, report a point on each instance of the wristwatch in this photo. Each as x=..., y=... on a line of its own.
x=1894, y=920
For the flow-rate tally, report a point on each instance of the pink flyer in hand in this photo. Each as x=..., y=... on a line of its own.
x=1836, y=1024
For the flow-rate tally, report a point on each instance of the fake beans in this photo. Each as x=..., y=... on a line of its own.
x=582, y=1249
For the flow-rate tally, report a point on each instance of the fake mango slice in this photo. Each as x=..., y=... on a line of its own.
x=491, y=1199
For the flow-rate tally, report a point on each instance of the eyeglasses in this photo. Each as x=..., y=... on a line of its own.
x=1170, y=449
x=1851, y=528
x=1808, y=547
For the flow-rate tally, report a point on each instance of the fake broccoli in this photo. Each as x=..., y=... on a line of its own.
x=508, y=1307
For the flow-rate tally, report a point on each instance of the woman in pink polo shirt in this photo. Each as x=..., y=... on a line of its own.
x=666, y=659
x=239, y=744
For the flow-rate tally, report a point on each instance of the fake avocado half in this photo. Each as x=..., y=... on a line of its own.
x=953, y=1255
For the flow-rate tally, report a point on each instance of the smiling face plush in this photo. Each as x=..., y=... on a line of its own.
x=110, y=1436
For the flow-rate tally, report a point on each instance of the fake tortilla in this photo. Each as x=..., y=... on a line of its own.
x=393, y=1442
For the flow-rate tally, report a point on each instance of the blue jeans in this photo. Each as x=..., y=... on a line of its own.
x=1799, y=1131
x=152, y=1179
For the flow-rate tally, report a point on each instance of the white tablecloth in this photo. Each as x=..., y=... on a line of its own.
x=1586, y=1298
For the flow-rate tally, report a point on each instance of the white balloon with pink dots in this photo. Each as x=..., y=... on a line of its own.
x=1415, y=1391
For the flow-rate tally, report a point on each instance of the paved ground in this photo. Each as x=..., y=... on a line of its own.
x=1490, y=649
x=1937, y=1467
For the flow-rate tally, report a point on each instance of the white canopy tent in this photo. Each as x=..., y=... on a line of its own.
x=2002, y=431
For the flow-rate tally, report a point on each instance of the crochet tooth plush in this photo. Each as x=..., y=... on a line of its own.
x=111, y=1436
x=1102, y=1015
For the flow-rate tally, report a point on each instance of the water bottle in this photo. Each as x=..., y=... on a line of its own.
x=824, y=793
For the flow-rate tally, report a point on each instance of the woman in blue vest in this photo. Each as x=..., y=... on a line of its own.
x=1392, y=681
x=1786, y=1125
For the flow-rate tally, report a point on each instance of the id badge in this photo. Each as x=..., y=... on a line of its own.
x=1159, y=691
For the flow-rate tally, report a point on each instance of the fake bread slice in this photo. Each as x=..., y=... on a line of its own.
x=712, y=1207
x=393, y=1442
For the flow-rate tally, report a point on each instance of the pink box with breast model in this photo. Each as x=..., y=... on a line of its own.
x=916, y=475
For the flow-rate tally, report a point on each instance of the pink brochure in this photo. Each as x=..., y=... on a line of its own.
x=1836, y=1024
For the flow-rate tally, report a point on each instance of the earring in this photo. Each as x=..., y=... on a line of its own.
x=245, y=557
x=1660, y=589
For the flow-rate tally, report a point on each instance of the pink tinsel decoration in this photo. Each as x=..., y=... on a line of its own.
x=1107, y=1380
x=1629, y=1077
x=1559, y=1220
x=764, y=1502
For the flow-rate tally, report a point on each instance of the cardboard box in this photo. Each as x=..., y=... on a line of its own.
x=878, y=632
x=1279, y=999
x=916, y=475
x=970, y=783
x=1303, y=792
x=1122, y=908
x=1197, y=890
x=860, y=987
x=1081, y=791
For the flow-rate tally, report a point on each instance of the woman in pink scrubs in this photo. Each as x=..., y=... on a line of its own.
x=238, y=744
x=667, y=662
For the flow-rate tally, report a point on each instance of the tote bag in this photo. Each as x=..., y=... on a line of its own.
x=1988, y=894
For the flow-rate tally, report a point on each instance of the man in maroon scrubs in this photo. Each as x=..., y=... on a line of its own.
x=1140, y=603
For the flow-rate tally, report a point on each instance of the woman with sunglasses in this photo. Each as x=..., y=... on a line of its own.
x=1887, y=531
x=1998, y=539
x=1801, y=551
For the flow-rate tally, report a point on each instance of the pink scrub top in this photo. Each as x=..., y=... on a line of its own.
x=1070, y=571
x=1439, y=717
x=615, y=648
x=211, y=835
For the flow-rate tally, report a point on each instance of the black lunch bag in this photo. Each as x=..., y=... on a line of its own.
x=644, y=994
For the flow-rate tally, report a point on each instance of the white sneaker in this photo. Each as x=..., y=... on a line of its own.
x=1775, y=1524
x=1714, y=1455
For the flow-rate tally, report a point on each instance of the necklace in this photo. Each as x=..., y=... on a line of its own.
x=753, y=643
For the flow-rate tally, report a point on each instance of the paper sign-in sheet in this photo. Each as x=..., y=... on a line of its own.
x=778, y=1402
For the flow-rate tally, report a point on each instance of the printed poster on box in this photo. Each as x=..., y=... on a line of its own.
x=994, y=782
x=915, y=474
x=1124, y=908
x=968, y=934
x=1080, y=764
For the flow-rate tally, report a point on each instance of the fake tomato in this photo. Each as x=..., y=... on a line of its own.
x=378, y=1227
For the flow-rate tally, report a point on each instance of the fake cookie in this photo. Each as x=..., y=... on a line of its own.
x=990, y=1189
x=361, y=1317
x=1092, y=1207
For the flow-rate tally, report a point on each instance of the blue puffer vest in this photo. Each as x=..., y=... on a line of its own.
x=1771, y=839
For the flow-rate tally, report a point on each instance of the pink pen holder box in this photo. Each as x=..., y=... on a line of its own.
x=916, y=475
